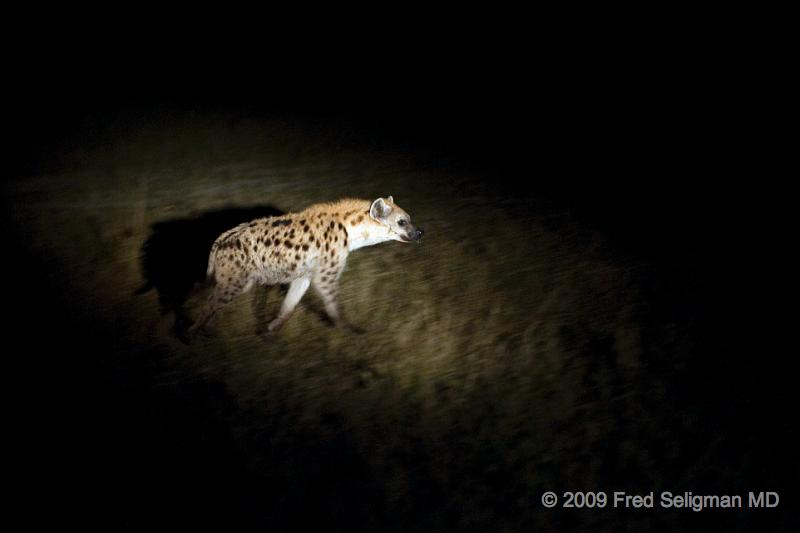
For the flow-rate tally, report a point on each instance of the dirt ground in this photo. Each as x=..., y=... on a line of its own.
x=520, y=348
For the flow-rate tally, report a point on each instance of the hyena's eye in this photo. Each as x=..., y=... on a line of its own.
x=401, y=222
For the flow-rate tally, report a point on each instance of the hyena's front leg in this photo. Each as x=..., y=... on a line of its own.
x=296, y=291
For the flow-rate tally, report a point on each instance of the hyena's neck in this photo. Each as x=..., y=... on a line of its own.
x=362, y=230
x=366, y=233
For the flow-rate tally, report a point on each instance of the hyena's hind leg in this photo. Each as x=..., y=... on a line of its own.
x=182, y=319
x=223, y=293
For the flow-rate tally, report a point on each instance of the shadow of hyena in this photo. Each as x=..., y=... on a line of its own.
x=174, y=258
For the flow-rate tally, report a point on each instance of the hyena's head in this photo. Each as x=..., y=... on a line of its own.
x=397, y=222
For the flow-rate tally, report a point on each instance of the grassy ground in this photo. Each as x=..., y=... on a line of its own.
x=516, y=350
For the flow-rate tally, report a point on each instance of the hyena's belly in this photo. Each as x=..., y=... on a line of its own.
x=281, y=270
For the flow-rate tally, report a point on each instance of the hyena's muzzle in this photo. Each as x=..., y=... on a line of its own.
x=412, y=233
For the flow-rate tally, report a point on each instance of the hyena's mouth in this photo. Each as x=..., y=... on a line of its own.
x=415, y=236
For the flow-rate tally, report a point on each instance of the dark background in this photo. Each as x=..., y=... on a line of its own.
x=670, y=164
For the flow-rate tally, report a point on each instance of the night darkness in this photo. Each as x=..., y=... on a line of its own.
x=588, y=310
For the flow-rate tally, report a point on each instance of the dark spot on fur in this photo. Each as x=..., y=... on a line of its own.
x=287, y=243
x=359, y=219
x=297, y=257
x=306, y=228
x=303, y=222
x=305, y=247
x=238, y=244
x=281, y=223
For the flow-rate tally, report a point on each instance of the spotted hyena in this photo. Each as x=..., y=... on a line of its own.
x=308, y=248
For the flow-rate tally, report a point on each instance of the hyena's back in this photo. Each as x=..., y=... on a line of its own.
x=267, y=251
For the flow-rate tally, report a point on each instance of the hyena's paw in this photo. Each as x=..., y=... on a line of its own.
x=346, y=325
x=184, y=330
x=192, y=331
x=272, y=329
x=358, y=330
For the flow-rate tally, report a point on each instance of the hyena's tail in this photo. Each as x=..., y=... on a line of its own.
x=144, y=288
x=212, y=259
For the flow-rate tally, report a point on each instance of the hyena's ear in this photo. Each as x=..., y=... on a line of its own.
x=390, y=200
x=380, y=209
